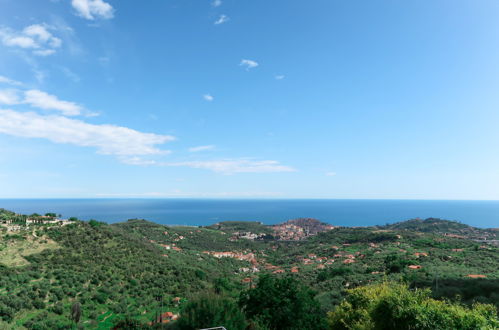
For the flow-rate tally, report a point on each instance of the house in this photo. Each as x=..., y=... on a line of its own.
x=278, y=271
x=415, y=266
x=348, y=261
x=476, y=276
x=166, y=318
x=295, y=270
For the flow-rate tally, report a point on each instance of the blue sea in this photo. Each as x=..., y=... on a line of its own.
x=200, y=212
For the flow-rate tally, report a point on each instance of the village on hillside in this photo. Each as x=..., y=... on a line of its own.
x=14, y=222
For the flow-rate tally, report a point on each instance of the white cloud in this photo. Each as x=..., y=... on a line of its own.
x=36, y=37
x=45, y=52
x=249, y=64
x=42, y=100
x=108, y=139
x=201, y=148
x=208, y=97
x=232, y=166
x=330, y=173
x=41, y=33
x=91, y=9
x=9, y=96
x=216, y=3
x=279, y=77
x=222, y=19
x=224, y=166
x=138, y=161
x=5, y=80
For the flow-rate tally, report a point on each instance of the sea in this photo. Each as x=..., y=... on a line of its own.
x=202, y=212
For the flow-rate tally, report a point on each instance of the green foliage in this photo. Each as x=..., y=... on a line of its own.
x=211, y=310
x=116, y=271
x=94, y=223
x=393, y=306
x=282, y=303
x=332, y=272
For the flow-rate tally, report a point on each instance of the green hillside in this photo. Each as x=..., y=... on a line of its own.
x=127, y=272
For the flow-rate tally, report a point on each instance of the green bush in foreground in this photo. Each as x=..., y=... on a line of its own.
x=282, y=303
x=211, y=310
x=394, y=306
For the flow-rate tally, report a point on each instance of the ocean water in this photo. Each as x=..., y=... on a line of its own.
x=200, y=212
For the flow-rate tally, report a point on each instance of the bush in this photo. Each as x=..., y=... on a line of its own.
x=394, y=306
x=211, y=310
x=282, y=303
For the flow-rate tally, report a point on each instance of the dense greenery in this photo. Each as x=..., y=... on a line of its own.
x=393, y=306
x=210, y=310
x=282, y=303
x=115, y=273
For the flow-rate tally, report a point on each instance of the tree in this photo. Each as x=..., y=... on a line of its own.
x=76, y=312
x=393, y=306
x=211, y=310
x=282, y=303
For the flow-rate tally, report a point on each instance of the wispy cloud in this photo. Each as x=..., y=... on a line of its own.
x=180, y=193
x=139, y=161
x=222, y=166
x=201, y=148
x=42, y=100
x=9, y=96
x=36, y=38
x=70, y=74
x=107, y=139
x=279, y=77
x=8, y=81
x=92, y=9
x=222, y=19
x=330, y=173
x=216, y=3
x=248, y=64
x=208, y=97
x=232, y=166
x=44, y=52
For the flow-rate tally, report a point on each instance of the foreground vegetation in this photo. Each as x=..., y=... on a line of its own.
x=99, y=276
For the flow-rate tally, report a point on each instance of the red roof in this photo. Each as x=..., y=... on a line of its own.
x=415, y=266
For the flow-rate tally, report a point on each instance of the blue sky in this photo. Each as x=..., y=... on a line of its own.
x=253, y=99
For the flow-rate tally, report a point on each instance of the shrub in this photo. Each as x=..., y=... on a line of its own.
x=394, y=306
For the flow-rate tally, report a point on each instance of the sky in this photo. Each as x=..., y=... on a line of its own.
x=249, y=99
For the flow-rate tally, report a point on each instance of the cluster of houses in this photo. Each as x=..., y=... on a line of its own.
x=248, y=256
x=15, y=225
x=246, y=235
x=290, y=232
x=298, y=229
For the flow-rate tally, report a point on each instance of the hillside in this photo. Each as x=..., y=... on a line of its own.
x=446, y=227
x=116, y=272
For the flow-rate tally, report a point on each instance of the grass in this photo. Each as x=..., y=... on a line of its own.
x=13, y=251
